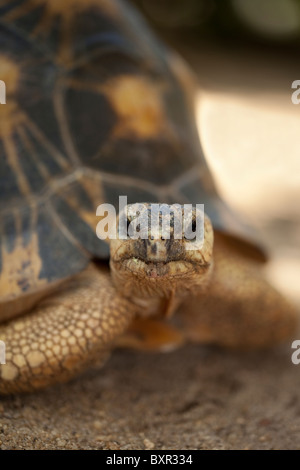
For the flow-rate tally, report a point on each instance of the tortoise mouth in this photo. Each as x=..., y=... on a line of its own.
x=157, y=269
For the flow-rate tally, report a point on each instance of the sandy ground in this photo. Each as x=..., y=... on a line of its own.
x=195, y=398
x=201, y=398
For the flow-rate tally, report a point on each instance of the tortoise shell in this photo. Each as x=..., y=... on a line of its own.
x=95, y=108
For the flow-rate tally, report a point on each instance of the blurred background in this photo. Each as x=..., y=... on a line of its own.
x=245, y=54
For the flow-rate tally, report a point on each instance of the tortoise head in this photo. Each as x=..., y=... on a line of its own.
x=161, y=250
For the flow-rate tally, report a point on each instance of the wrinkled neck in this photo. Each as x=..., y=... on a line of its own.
x=154, y=296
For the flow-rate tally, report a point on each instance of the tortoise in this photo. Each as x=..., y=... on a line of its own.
x=97, y=107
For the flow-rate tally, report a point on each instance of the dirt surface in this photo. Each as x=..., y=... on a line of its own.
x=194, y=398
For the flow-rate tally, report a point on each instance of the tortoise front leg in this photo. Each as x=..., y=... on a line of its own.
x=240, y=309
x=64, y=334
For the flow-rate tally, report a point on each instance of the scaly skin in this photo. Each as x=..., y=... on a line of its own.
x=63, y=335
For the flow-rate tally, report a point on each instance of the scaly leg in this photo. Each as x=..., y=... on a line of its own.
x=64, y=334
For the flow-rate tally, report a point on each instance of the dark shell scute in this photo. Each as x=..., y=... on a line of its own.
x=91, y=120
x=133, y=193
x=8, y=180
x=152, y=160
x=9, y=232
x=10, y=6
x=28, y=165
x=55, y=248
